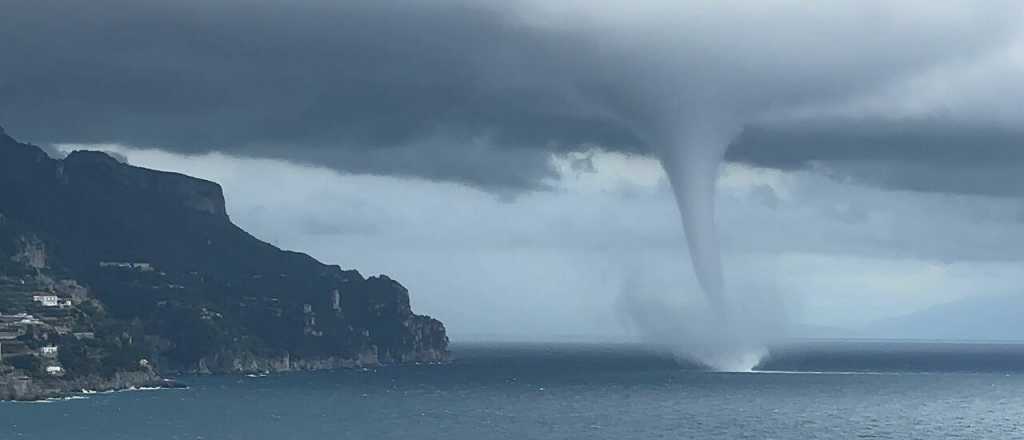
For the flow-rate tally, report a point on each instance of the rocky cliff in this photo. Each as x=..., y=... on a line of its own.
x=163, y=275
x=30, y=388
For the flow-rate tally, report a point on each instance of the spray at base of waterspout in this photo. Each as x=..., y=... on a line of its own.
x=736, y=362
x=727, y=345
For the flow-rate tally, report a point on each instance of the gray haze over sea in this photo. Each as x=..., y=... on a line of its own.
x=817, y=391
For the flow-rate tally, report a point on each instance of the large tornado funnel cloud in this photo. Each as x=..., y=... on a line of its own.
x=724, y=335
x=691, y=159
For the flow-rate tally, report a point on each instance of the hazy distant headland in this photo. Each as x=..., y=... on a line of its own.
x=111, y=275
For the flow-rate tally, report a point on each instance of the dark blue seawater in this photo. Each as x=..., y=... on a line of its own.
x=864, y=390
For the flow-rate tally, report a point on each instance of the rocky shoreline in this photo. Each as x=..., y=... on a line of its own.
x=249, y=363
x=25, y=388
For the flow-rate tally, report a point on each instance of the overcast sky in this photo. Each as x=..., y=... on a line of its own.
x=500, y=158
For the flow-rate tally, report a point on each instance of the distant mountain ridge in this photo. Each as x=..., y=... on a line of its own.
x=975, y=318
x=158, y=251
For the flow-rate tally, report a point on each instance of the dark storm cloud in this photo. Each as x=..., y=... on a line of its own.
x=920, y=155
x=448, y=90
x=426, y=89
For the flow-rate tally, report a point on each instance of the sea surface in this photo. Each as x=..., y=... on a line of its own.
x=818, y=391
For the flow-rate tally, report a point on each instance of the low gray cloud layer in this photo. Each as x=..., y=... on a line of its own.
x=483, y=93
x=921, y=155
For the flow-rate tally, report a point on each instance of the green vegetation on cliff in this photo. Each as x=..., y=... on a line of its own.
x=150, y=272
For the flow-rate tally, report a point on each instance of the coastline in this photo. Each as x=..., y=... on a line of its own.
x=245, y=362
x=29, y=389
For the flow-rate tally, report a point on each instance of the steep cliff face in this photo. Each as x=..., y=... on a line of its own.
x=158, y=253
x=92, y=167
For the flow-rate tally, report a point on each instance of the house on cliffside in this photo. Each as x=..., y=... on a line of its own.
x=47, y=300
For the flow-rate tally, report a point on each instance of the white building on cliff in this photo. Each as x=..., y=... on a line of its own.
x=47, y=300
